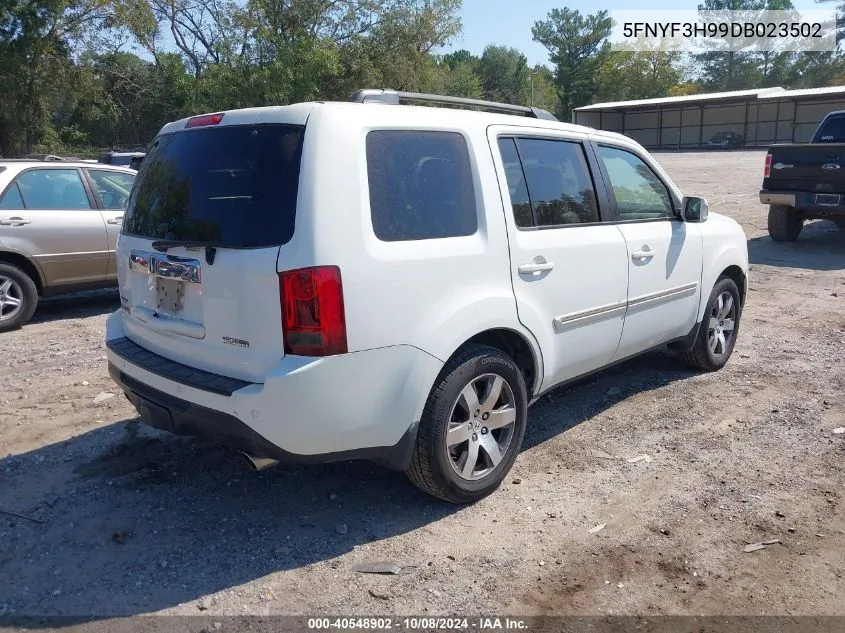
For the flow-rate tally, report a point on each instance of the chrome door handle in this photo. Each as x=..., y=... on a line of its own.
x=539, y=265
x=116, y=220
x=644, y=254
x=15, y=222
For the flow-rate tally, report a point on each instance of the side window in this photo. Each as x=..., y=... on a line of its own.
x=12, y=198
x=53, y=189
x=421, y=185
x=520, y=201
x=114, y=187
x=639, y=193
x=558, y=179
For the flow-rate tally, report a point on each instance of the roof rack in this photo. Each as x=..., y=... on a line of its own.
x=394, y=97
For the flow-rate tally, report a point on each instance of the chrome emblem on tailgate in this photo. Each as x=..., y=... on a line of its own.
x=165, y=266
x=830, y=166
x=235, y=341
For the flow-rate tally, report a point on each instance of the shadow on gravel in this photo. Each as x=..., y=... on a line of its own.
x=821, y=246
x=77, y=305
x=135, y=521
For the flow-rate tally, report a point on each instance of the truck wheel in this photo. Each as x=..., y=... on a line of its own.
x=18, y=297
x=785, y=223
x=717, y=335
x=472, y=426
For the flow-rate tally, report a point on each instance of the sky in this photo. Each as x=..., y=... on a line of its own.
x=509, y=22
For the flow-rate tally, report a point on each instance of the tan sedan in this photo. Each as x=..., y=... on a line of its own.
x=59, y=223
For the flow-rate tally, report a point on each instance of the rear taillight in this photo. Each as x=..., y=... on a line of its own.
x=312, y=311
x=205, y=119
x=767, y=170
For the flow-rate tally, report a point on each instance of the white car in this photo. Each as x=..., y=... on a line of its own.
x=329, y=281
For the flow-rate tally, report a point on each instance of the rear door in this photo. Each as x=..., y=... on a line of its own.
x=196, y=260
x=569, y=271
x=664, y=253
x=50, y=214
x=112, y=189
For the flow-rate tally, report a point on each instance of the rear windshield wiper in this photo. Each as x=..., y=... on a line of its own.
x=210, y=247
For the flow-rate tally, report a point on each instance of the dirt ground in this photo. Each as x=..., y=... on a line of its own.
x=132, y=521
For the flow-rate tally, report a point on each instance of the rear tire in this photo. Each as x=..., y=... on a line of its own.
x=717, y=335
x=18, y=297
x=785, y=223
x=472, y=426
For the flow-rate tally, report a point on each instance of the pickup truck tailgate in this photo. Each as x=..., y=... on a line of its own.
x=817, y=168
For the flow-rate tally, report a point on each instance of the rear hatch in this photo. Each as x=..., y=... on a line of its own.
x=211, y=207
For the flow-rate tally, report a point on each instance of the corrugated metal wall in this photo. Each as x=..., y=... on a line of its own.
x=761, y=121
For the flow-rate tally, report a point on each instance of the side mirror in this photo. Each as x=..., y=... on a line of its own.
x=694, y=209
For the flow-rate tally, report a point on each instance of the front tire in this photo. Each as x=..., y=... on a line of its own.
x=717, y=335
x=472, y=426
x=18, y=297
x=785, y=223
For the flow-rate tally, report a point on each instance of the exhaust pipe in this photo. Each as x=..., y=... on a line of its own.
x=259, y=463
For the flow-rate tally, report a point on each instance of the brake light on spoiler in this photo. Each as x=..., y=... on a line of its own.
x=313, y=317
x=205, y=119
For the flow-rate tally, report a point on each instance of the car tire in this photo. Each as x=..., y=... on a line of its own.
x=785, y=223
x=479, y=385
x=18, y=297
x=719, y=328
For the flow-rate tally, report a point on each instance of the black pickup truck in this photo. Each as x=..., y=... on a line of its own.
x=806, y=181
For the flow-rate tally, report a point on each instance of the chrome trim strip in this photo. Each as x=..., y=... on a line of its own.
x=663, y=296
x=165, y=266
x=573, y=320
x=585, y=317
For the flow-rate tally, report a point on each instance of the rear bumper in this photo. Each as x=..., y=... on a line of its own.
x=804, y=201
x=353, y=406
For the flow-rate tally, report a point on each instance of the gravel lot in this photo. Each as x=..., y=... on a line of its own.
x=131, y=521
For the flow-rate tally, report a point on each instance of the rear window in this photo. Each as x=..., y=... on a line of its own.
x=232, y=186
x=421, y=185
x=833, y=131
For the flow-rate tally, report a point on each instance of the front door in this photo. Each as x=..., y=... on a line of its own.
x=48, y=213
x=664, y=253
x=569, y=271
x=112, y=188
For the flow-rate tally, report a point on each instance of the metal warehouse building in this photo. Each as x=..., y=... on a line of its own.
x=763, y=117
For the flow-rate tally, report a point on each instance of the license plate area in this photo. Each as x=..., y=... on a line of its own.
x=827, y=199
x=170, y=295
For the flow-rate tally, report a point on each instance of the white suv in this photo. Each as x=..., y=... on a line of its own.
x=328, y=281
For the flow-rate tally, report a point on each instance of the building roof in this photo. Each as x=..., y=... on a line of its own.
x=712, y=96
x=806, y=92
x=757, y=93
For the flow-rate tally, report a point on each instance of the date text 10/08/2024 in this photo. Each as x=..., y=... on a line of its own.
x=418, y=624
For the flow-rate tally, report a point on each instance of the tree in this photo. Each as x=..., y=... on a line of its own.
x=577, y=48
x=640, y=74
x=459, y=57
x=504, y=75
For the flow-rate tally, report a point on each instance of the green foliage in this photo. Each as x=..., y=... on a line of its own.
x=504, y=75
x=77, y=75
x=578, y=47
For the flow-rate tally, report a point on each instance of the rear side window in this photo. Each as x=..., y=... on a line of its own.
x=53, y=189
x=556, y=178
x=12, y=198
x=232, y=186
x=833, y=131
x=421, y=185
